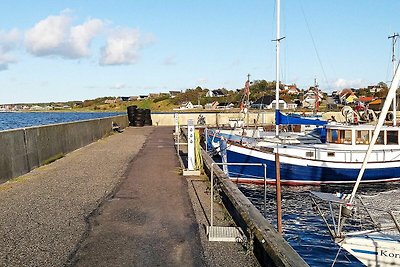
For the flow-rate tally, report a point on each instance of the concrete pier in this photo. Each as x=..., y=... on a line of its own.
x=120, y=201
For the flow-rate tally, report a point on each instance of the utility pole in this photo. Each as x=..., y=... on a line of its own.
x=394, y=39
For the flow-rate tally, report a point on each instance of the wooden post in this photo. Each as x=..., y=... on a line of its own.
x=278, y=193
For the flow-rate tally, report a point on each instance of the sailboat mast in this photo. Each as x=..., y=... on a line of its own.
x=278, y=40
x=394, y=39
x=386, y=106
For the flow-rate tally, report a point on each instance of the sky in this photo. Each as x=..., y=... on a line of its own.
x=66, y=50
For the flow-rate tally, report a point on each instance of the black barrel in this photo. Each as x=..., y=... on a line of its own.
x=139, y=117
x=147, y=117
x=131, y=113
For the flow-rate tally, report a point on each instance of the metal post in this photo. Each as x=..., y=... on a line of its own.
x=191, y=154
x=212, y=195
x=278, y=194
x=176, y=119
x=394, y=39
x=265, y=190
x=206, y=139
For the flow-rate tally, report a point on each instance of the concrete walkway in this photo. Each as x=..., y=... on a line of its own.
x=149, y=221
x=120, y=201
x=44, y=213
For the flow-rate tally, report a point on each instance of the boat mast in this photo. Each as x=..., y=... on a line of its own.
x=278, y=41
x=391, y=94
x=394, y=39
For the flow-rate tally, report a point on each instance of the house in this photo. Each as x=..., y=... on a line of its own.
x=174, y=93
x=212, y=105
x=347, y=96
x=375, y=105
x=268, y=102
x=142, y=97
x=225, y=106
x=291, y=105
x=351, y=99
x=375, y=88
x=282, y=104
x=110, y=101
x=292, y=89
x=310, y=98
x=124, y=98
x=186, y=105
x=263, y=102
x=215, y=93
x=365, y=99
x=154, y=95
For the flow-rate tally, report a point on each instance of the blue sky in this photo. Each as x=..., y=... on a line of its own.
x=76, y=50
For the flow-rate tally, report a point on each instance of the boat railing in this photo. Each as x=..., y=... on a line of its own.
x=362, y=219
x=349, y=155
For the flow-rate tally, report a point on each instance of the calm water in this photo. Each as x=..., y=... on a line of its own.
x=303, y=228
x=12, y=120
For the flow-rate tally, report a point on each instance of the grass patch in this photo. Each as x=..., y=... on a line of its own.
x=53, y=158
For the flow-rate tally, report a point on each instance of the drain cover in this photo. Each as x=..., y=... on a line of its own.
x=225, y=234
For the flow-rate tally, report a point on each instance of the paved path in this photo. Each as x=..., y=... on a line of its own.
x=44, y=213
x=150, y=220
x=120, y=201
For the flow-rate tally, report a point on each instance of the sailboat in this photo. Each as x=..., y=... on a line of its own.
x=376, y=241
x=305, y=160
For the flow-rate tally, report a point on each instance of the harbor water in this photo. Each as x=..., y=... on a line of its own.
x=303, y=228
x=13, y=120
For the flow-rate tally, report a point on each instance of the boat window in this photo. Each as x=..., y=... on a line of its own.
x=392, y=137
x=332, y=136
x=362, y=137
x=345, y=136
x=309, y=154
x=381, y=138
x=331, y=154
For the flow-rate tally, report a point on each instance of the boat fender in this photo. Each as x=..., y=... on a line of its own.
x=389, y=116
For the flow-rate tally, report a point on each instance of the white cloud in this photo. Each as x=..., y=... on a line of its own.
x=202, y=81
x=119, y=86
x=55, y=35
x=59, y=36
x=122, y=47
x=342, y=83
x=82, y=35
x=8, y=42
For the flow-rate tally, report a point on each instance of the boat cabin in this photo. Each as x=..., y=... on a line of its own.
x=361, y=134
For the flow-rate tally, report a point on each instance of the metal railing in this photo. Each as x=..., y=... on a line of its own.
x=237, y=164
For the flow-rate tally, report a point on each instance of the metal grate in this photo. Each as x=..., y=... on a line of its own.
x=225, y=234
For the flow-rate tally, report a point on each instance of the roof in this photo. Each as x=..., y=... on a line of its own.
x=266, y=100
x=376, y=102
x=365, y=98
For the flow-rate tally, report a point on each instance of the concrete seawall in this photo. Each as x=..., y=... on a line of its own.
x=222, y=118
x=23, y=150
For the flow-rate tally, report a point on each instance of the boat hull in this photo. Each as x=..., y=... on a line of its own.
x=300, y=171
x=375, y=250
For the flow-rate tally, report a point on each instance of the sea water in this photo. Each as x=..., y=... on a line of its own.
x=303, y=228
x=13, y=120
